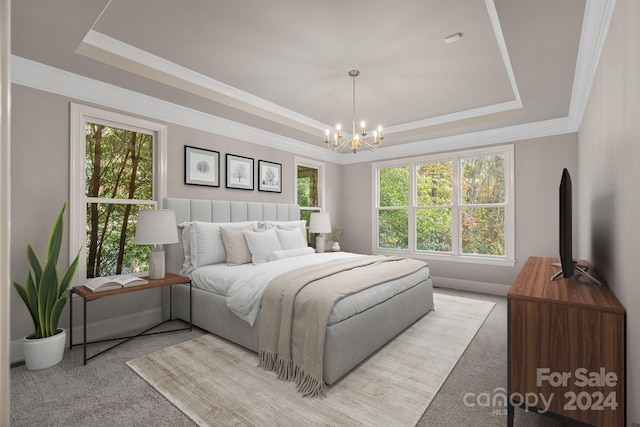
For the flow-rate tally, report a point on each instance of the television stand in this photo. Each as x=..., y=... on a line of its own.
x=565, y=349
x=580, y=269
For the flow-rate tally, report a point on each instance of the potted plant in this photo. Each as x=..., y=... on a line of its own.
x=336, y=235
x=45, y=296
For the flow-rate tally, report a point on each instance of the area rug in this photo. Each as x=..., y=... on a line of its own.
x=216, y=383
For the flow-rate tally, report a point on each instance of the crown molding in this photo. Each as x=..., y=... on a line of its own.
x=463, y=141
x=107, y=49
x=595, y=25
x=49, y=79
x=43, y=77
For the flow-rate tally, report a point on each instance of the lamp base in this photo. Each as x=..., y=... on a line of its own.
x=156, y=265
x=320, y=244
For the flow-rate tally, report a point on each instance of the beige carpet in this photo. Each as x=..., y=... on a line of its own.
x=216, y=383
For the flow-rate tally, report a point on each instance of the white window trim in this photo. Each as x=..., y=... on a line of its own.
x=77, y=198
x=509, y=258
x=301, y=161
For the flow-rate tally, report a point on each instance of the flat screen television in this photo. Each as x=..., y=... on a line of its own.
x=568, y=266
x=566, y=226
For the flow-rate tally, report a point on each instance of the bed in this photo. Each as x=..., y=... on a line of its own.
x=351, y=336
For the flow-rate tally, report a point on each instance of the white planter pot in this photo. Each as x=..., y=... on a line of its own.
x=44, y=352
x=335, y=247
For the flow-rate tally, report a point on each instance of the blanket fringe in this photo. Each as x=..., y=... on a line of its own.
x=285, y=370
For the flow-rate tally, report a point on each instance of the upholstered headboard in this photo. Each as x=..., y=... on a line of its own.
x=221, y=211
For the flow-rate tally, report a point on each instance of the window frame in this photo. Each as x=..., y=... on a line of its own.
x=80, y=114
x=456, y=254
x=301, y=161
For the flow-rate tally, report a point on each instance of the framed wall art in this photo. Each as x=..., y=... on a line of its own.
x=239, y=172
x=269, y=176
x=201, y=167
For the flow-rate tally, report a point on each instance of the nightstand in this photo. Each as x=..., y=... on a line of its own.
x=87, y=295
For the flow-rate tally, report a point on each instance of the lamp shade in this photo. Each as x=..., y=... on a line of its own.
x=156, y=227
x=319, y=223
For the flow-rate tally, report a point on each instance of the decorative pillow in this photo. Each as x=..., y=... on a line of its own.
x=288, y=225
x=206, y=242
x=261, y=244
x=276, y=255
x=291, y=239
x=235, y=245
x=187, y=267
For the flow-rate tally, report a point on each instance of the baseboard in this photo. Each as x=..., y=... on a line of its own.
x=471, y=285
x=102, y=329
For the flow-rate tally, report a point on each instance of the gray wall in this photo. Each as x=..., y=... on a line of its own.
x=609, y=153
x=538, y=169
x=179, y=136
x=40, y=185
x=40, y=159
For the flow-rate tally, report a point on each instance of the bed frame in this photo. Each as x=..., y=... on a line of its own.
x=347, y=343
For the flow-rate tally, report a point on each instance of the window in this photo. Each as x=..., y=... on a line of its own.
x=456, y=206
x=309, y=187
x=116, y=168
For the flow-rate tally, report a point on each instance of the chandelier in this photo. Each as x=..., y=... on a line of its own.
x=357, y=140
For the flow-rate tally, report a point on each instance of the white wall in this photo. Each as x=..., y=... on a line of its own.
x=538, y=169
x=609, y=162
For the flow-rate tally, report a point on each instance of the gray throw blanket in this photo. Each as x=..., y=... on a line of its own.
x=291, y=341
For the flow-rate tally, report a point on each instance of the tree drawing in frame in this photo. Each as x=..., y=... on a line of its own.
x=239, y=172
x=269, y=176
x=201, y=167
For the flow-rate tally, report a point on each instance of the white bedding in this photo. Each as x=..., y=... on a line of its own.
x=243, y=285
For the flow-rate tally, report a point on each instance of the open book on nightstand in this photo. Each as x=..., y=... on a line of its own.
x=106, y=283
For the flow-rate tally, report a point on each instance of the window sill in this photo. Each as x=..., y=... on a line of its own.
x=448, y=258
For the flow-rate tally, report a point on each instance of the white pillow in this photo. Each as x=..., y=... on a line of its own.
x=235, y=245
x=187, y=267
x=206, y=242
x=288, y=225
x=291, y=239
x=276, y=255
x=261, y=244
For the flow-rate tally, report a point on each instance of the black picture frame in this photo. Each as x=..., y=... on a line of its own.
x=269, y=176
x=201, y=167
x=239, y=172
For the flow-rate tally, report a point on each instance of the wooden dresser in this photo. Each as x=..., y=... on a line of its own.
x=566, y=345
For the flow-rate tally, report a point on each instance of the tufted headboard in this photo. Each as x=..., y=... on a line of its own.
x=221, y=211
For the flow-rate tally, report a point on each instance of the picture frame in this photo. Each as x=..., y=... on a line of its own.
x=201, y=167
x=269, y=176
x=239, y=172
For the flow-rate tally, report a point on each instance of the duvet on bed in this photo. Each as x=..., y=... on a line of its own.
x=244, y=285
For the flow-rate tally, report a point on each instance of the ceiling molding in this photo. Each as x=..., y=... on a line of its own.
x=54, y=80
x=453, y=117
x=43, y=77
x=514, y=104
x=107, y=49
x=469, y=140
x=597, y=16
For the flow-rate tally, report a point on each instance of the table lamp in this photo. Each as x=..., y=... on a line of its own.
x=156, y=227
x=320, y=223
